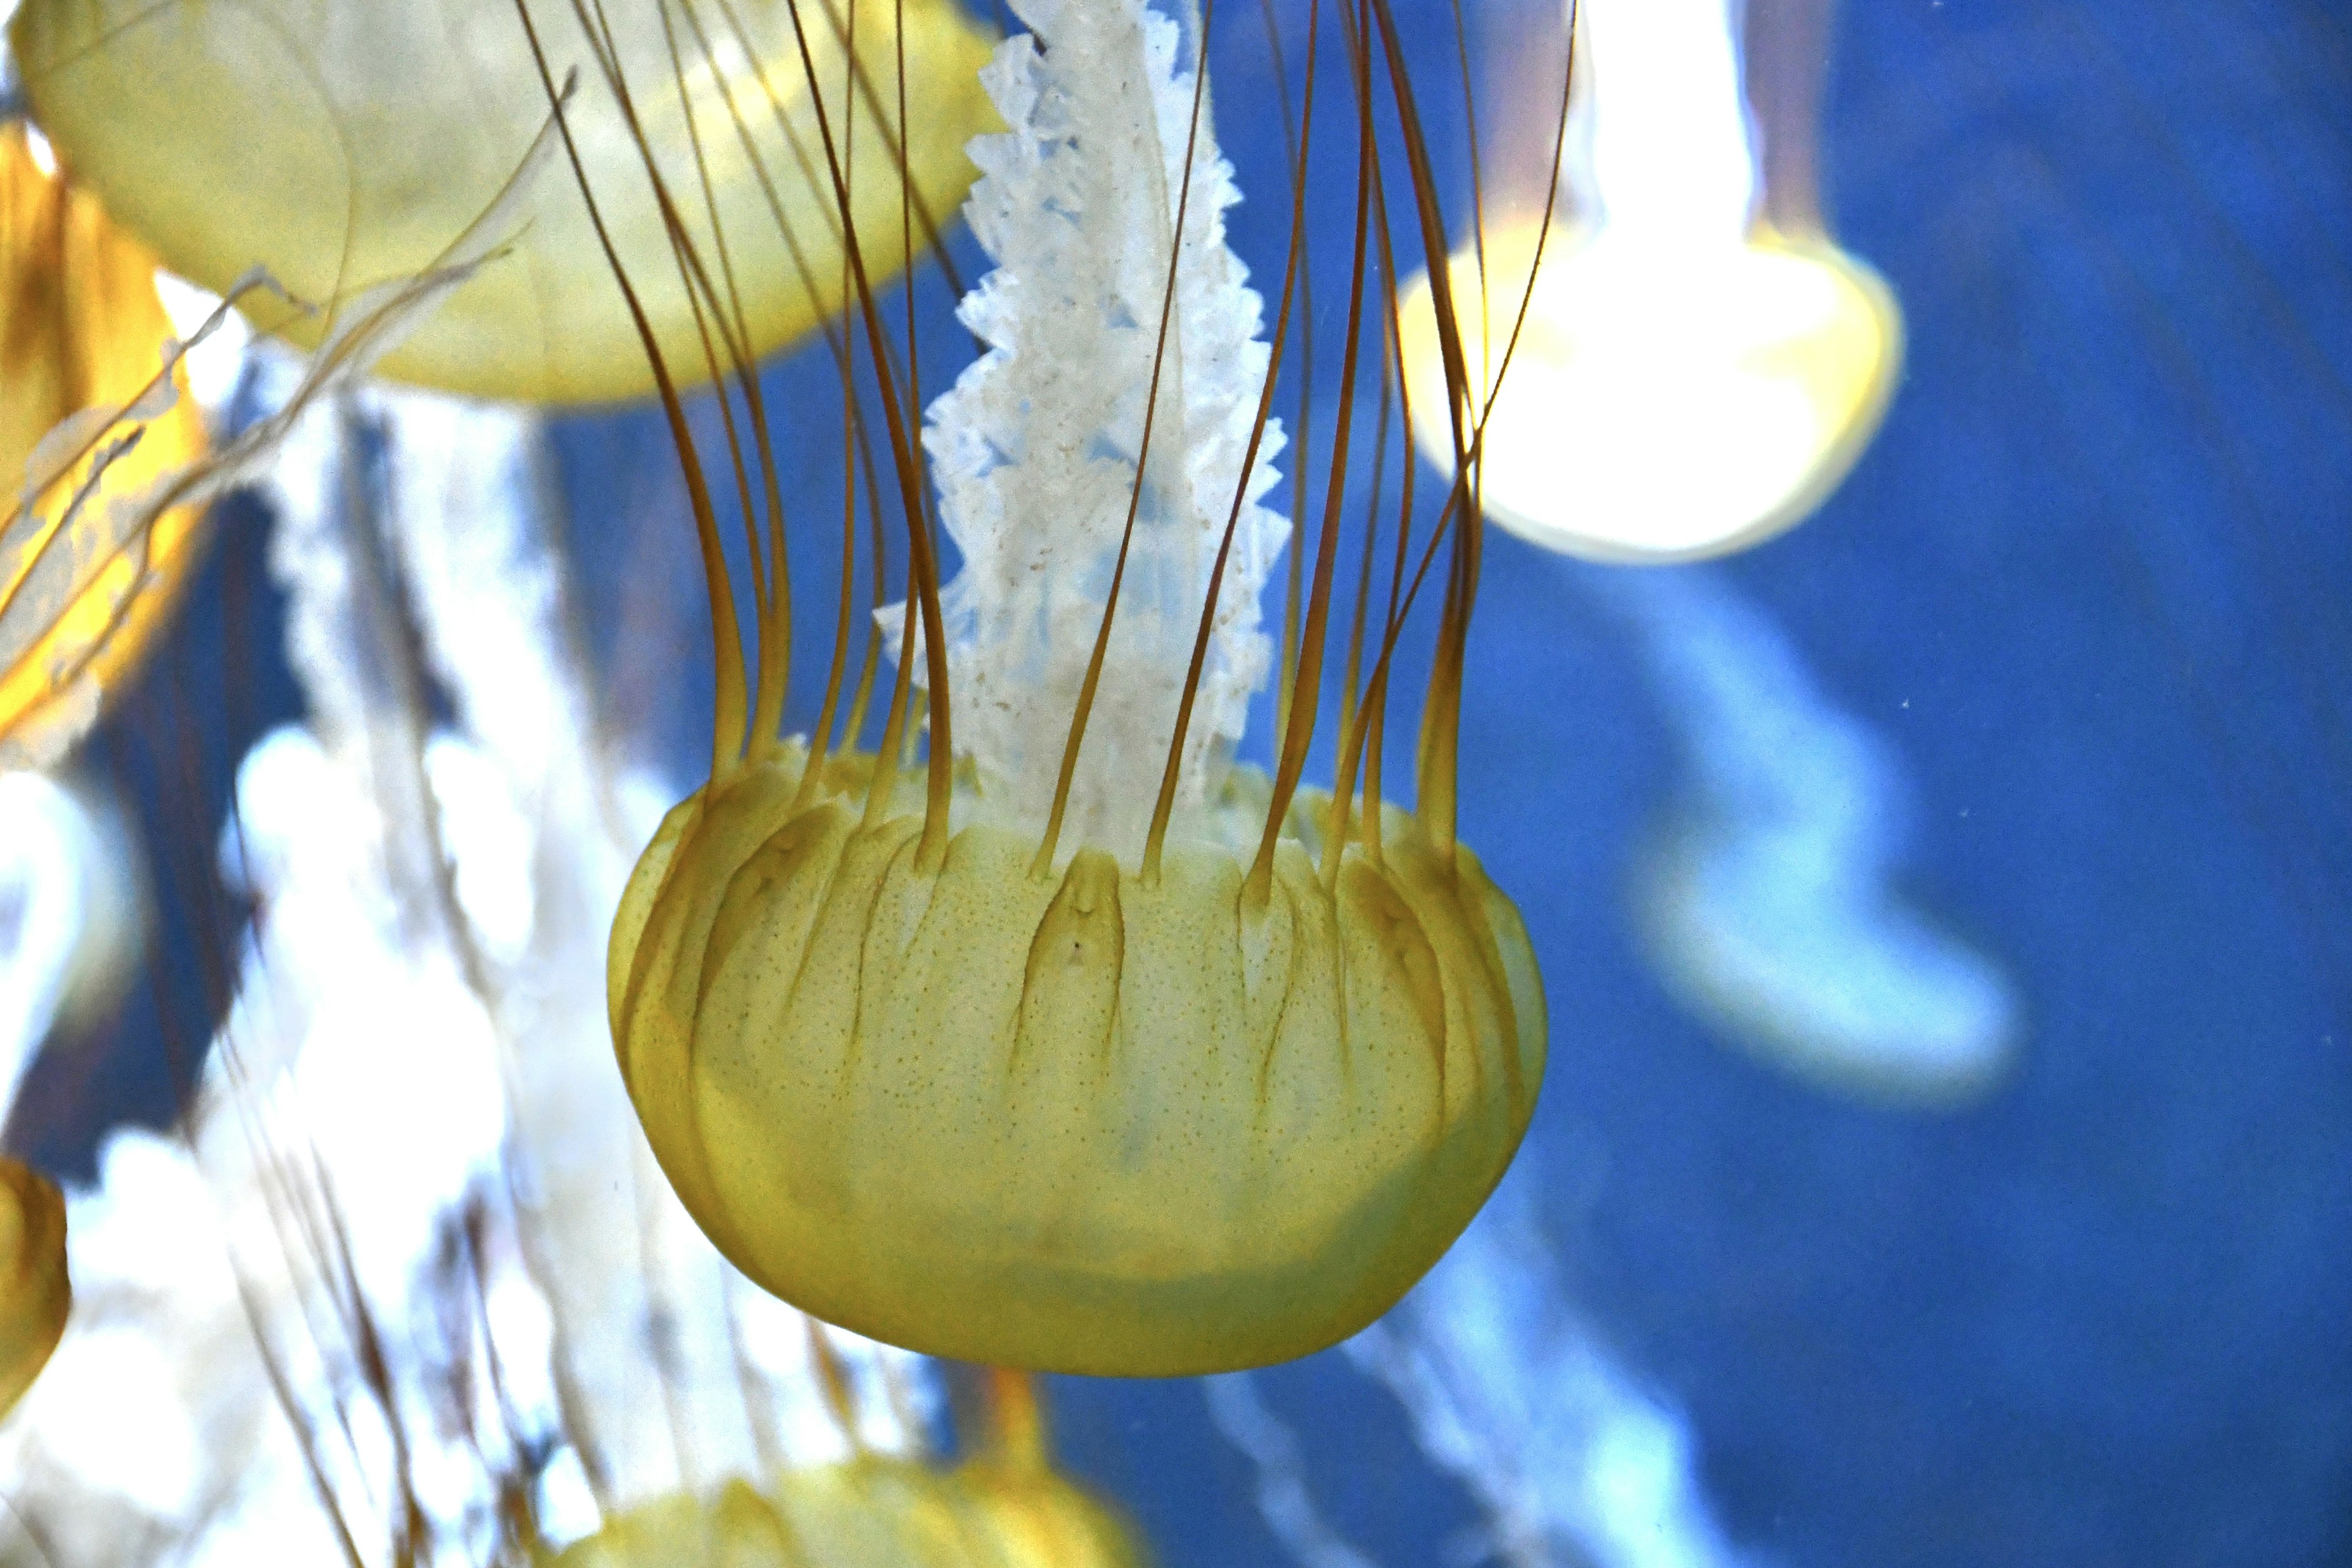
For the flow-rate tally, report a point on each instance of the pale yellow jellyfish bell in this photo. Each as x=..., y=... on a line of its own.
x=1033, y=1515
x=82, y=333
x=1004, y=1507
x=1085, y=1049
x=1692, y=371
x=874, y=1511
x=35, y=1292
x=341, y=143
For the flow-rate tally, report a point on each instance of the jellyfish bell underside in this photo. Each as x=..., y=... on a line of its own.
x=1080, y=1121
x=82, y=333
x=1660, y=404
x=35, y=1292
x=342, y=146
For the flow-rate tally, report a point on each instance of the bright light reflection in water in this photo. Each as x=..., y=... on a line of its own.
x=1695, y=373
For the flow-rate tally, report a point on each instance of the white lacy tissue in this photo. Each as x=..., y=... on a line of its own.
x=1035, y=448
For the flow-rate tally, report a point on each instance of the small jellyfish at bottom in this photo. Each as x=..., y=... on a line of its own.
x=1003, y=1506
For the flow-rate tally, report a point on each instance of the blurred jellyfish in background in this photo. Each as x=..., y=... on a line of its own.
x=285, y=132
x=1696, y=363
x=1772, y=894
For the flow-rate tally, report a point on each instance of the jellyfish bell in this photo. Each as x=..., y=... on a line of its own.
x=1702, y=403
x=295, y=143
x=873, y=1512
x=82, y=334
x=1082, y=1048
x=341, y=145
x=876, y=1511
x=1000, y=1508
x=1697, y=363
x=1104, y=1120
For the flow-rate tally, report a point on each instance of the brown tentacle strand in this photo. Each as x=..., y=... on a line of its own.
x=1292, y=583
x=771, y=590
x=733, y=710
x=854, y=725
x=1477, y=186
x=922, y=568
x=895, y=724
x=1165, y=806
x=1442, y=717
x=820, y=733
x=1343, y=784
x=1307, y=698
x=768, y=685
x=1377, y=696
x=1312, y=640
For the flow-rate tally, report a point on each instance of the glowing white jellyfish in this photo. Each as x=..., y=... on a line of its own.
x=1698, y=364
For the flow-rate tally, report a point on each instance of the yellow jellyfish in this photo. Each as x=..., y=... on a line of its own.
x=342, y=145
x=1696, y=369
x=81, y=332
x=1005, y=1507
x=1085, y=1048
x=35, y=1294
